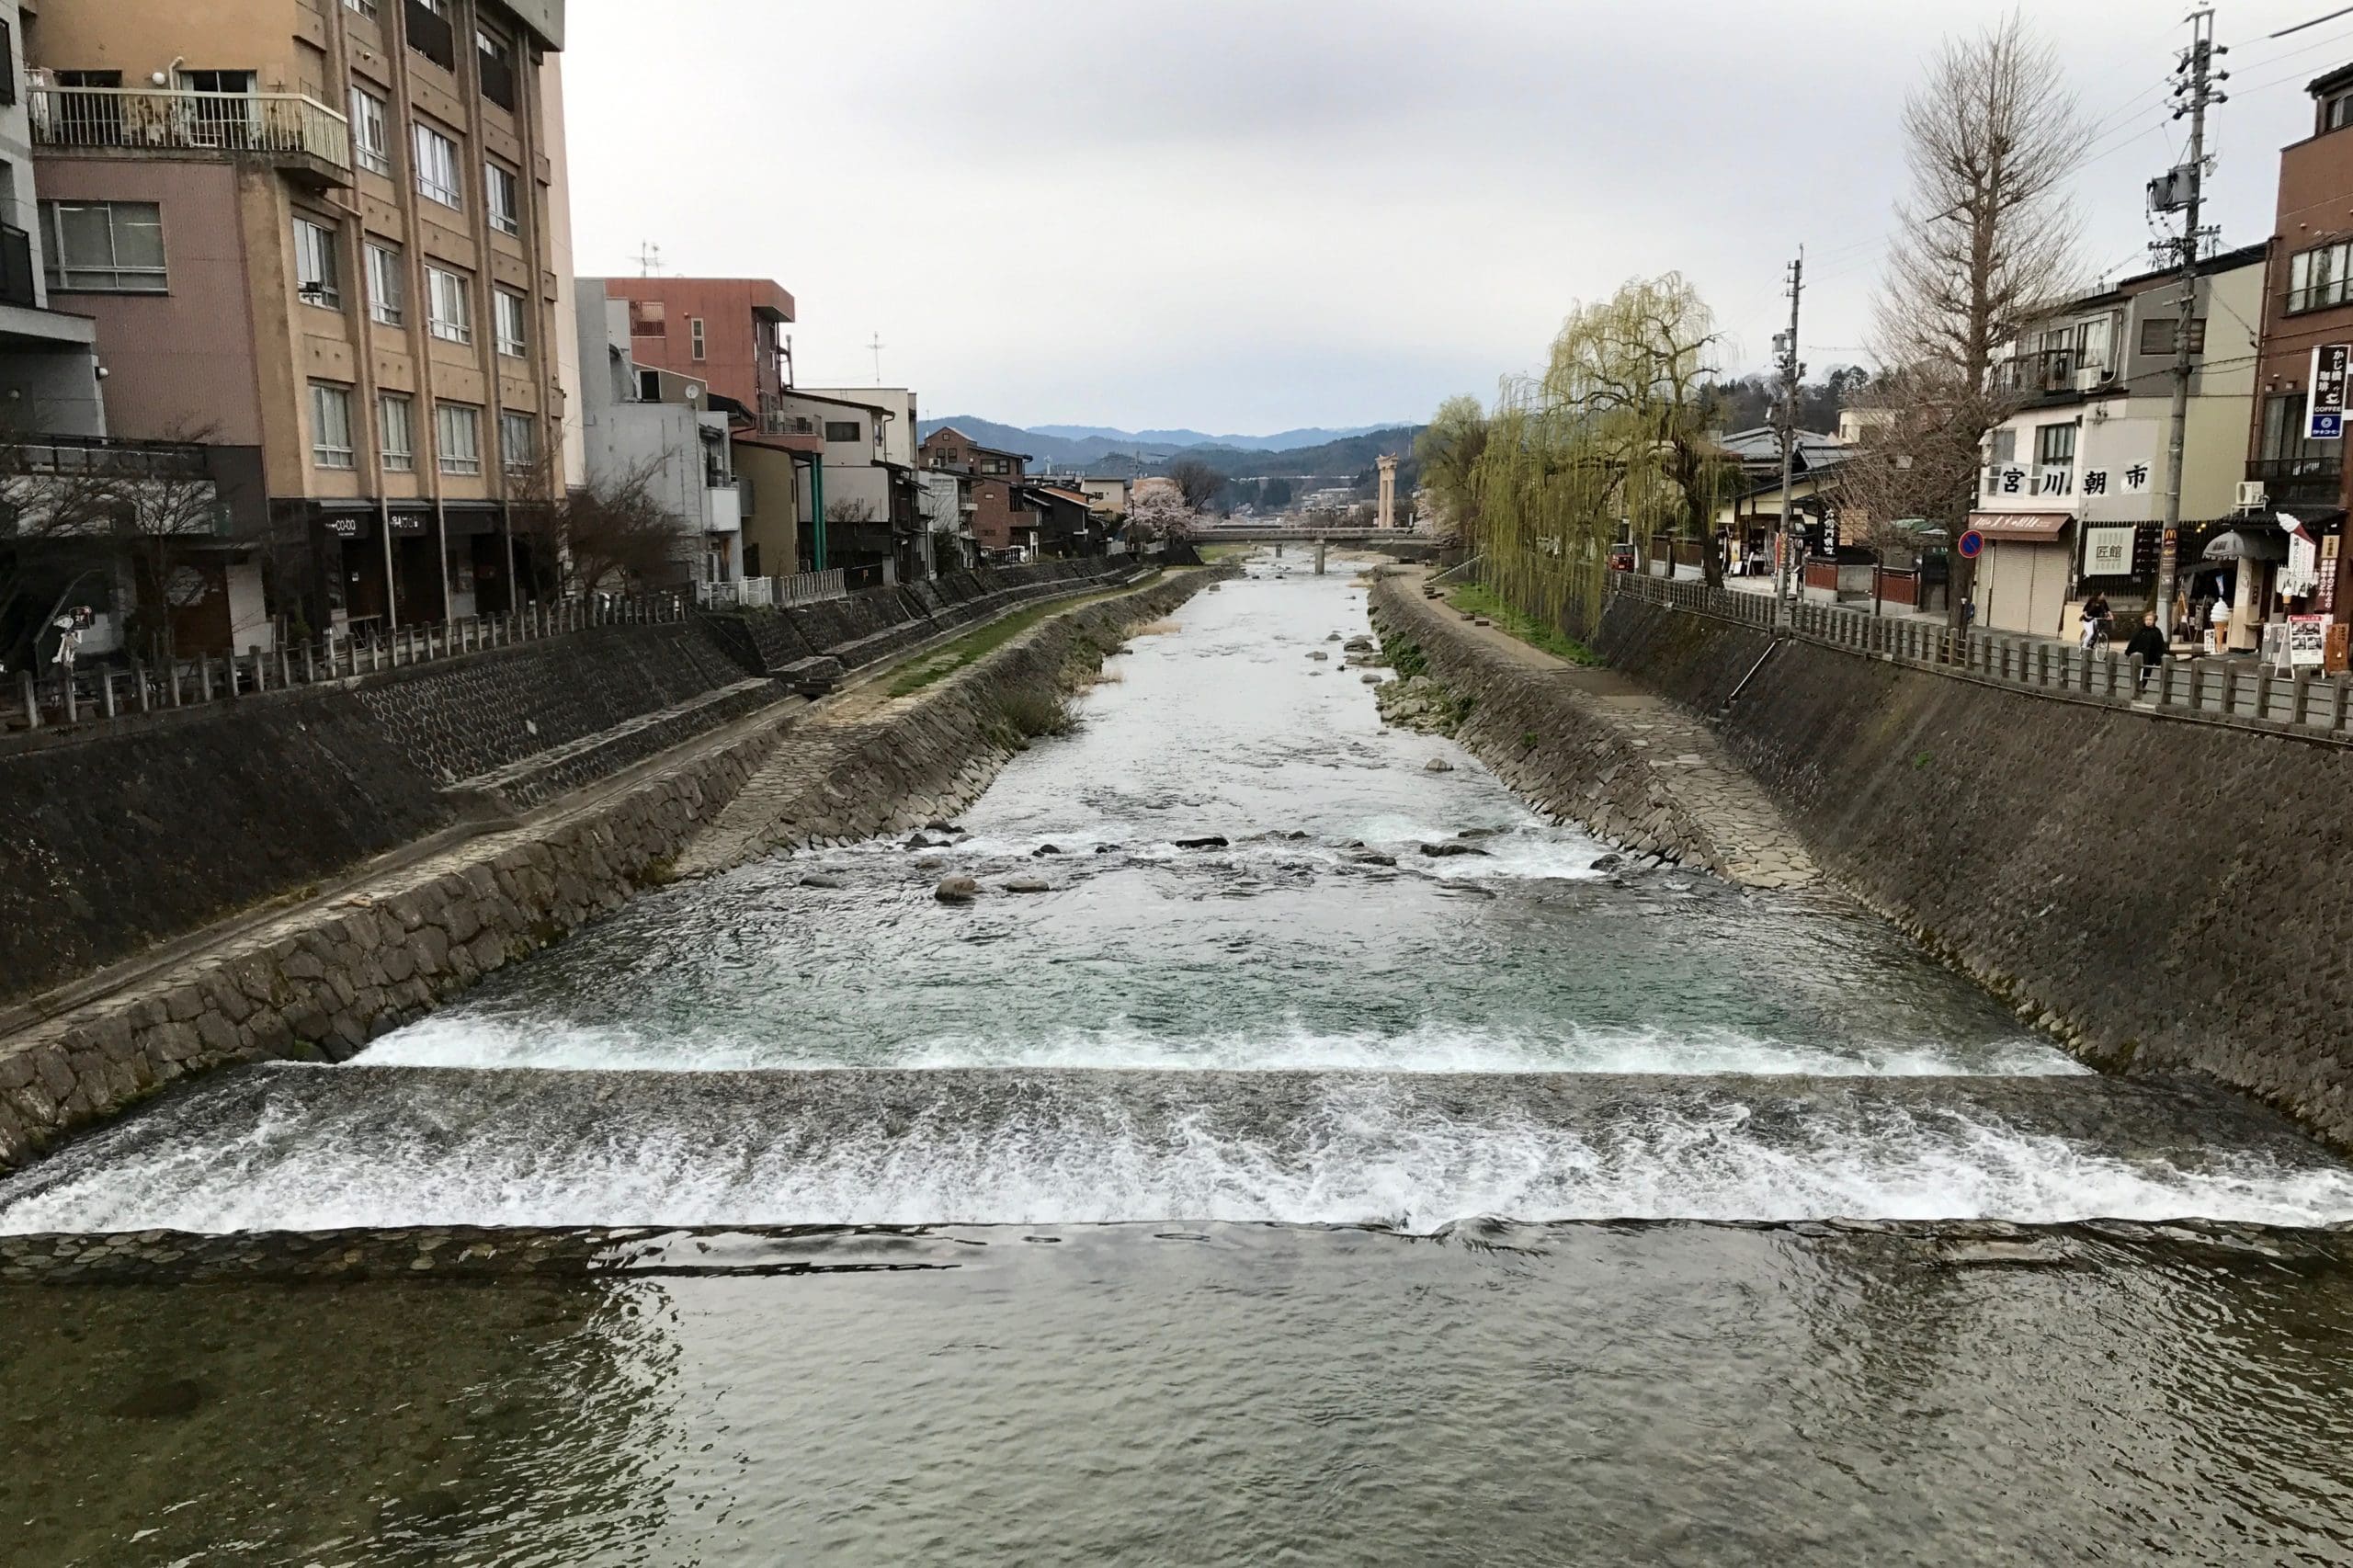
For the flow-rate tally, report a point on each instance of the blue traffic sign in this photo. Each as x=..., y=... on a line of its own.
x=1971, y=544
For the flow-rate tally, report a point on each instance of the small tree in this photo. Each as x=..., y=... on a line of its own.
x=1450, y=448
x=1196, y=481
x=618, y=536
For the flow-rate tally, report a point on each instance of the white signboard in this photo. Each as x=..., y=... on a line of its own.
x=2307, y=641
x=2301, y=574
x=2107, y=552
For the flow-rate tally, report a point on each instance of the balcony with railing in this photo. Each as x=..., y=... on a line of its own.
x=2048, y=371
x=2301, y=482
x=289, y=128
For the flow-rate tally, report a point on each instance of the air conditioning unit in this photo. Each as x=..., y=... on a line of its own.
x=2251, y=495
x=2090, y=378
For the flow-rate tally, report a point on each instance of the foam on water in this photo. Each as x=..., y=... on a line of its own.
x=476, y=1038
x=1354, y=1155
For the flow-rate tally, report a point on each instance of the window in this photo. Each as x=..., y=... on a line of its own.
x=993, y=465
x=2316, y=278
x=2287, y=452
x=449, y=305
x=503, y=195
x=387, y=285
x=105, y=246
x=2054, y=450
x=2337, y=112
x=397, y=413
x=694, y=331
x=223, y=111
x=2157, y=337
x=371, y=136
x=843, y=430
x=318, y=277
x=429, y=33
x=330, y=425
x=365, y=7
x=508, y=307
x=89, y=118
x=7, y=64
x=648, y=319
x=494, y=57
x=2005, y=445
x=649, y=386
x=518, y=441
x=459, y=426
x=436, y=167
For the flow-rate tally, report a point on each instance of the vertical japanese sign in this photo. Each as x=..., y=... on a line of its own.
x=2324, y=407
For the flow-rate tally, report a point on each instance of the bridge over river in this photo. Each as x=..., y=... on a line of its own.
x=1326, y=1159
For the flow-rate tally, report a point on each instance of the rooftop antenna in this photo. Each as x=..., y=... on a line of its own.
x=649, y=260
x=877, y=347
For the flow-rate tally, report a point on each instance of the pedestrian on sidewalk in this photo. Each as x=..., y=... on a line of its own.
x=2147, y=646
x=2095, y=620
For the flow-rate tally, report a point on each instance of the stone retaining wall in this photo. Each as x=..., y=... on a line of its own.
x=2165, y=897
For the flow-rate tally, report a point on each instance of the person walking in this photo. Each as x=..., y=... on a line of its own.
x=2148, y=647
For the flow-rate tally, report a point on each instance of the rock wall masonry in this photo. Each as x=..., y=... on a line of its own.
x=2167, y=897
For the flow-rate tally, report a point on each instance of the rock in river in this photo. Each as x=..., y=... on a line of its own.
x=1029, y=884
x=1213, y=842
x=956, y=890
x=1448, y=850
x=1438, y=764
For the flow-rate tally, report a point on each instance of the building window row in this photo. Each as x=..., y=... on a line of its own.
x=457, y=425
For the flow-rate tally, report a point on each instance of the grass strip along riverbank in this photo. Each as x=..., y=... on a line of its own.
x=1477, y=599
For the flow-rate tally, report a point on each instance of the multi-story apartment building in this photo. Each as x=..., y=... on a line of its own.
x=320, y=229
x=2071, y=495
x=48, y=357
x=659, y=433
x=728, y=332
x=2308, y=305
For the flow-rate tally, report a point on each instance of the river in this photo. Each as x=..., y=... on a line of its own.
x=1303, y=1198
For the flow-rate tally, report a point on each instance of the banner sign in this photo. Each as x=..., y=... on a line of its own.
x=2307, y=641
x=2324, y=406
x=2107, y=552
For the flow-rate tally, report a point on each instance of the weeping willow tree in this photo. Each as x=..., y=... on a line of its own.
x=1611, y=441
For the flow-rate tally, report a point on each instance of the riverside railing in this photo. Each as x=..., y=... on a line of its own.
x=2238, y=691
x=95, y=693
x=774, y=593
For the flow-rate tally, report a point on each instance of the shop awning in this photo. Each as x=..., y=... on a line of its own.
x=2030, y=527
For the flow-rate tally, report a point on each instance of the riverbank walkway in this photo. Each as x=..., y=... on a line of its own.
x=1754, y=847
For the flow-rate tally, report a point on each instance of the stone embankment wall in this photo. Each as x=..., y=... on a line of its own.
x=2167, y=897
x=1632, y=770
x=125, y=835
x=321, y=979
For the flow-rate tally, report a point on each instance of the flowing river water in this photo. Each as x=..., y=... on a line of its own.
x=1302, y=1198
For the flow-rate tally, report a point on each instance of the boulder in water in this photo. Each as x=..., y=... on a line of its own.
x=1029, y=884
x=1438, y=764
x=956, y=890
x=1447, y=851
x=815, y=880
x=1044, y=849
x=1212, y=842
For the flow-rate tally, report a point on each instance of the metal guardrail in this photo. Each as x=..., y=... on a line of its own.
x=97, y=693
x=2239, y=689
x=178, y=119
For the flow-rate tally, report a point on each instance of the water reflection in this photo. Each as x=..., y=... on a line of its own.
x=1573, y=1393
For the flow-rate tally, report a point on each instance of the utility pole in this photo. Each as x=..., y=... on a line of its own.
x=1793, y=372
x=2182, y=190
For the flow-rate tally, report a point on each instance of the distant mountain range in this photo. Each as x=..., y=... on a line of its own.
x=1110, y=452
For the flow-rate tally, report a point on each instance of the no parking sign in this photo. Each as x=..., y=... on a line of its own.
x=1971, y=544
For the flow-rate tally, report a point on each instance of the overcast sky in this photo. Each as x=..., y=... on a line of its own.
x=1248, y=215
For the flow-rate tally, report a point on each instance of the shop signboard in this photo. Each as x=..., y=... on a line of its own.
x=2107, y=552
x=2307, y=642
x=2324, y=405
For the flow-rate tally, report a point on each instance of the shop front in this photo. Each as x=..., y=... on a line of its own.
x=2025, y=575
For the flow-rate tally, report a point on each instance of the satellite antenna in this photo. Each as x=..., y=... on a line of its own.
x=877, y=347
